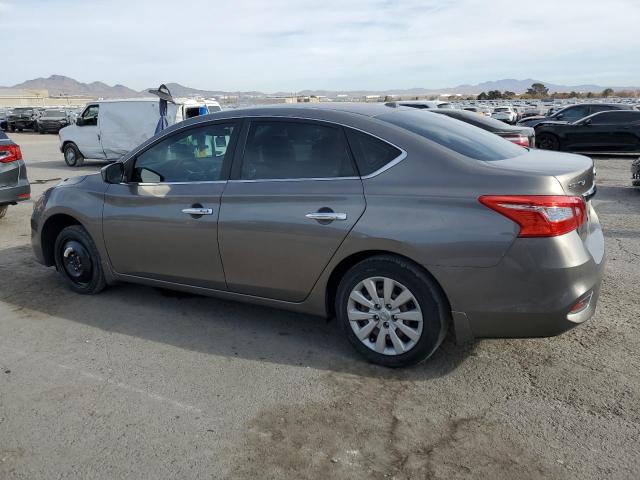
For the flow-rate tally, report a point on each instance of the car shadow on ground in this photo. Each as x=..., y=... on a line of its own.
x=203, y=324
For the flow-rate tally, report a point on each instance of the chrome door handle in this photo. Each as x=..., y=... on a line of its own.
x=326, y=216
x=198, y=211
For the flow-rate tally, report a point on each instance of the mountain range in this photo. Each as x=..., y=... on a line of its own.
x=58, y=85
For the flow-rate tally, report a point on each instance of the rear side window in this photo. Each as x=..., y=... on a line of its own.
x=371, y=153
x=617, y=117
x=294, y=150
x=455, y=135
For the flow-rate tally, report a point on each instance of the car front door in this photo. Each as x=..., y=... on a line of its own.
x=162, y=223
x=294, y=196
x=88, y=133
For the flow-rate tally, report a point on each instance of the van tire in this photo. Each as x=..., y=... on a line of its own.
x=72, y=156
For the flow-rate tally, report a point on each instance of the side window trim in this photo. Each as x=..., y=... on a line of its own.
x=238, y=160
x=226, y=164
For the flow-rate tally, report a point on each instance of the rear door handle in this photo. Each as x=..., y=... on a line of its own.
x=198, y=211
x=326, y=216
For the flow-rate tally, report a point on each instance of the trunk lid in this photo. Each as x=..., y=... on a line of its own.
x=574, y=172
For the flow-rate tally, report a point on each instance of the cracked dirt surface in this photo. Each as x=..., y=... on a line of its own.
x=134, y=383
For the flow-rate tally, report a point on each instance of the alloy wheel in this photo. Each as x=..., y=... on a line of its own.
x=385, y=315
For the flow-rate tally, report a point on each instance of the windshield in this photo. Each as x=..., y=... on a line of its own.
x=454, y=135
x=501, y=109
x=54, y=113
x=23, y=110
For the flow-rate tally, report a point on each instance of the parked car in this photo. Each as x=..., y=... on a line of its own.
x=523, y=136
x=108, y=129
x=399, y=223
x=14, y=185
x=635, y=173
x=505, y=114
x=615, y=131
x=421, y=104
x=52, y=120
x=573, y=113
x=475, y=110
x=4, y=113
x=22, y=118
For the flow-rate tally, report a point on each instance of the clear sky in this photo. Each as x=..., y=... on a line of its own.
x=273, y=45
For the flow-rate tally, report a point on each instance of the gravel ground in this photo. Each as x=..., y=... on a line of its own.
x=138, y=383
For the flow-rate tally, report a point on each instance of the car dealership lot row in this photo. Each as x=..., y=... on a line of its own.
x=137, y=382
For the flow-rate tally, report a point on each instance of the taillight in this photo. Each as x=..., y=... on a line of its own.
x=521, y=140
x=540, y=215
x=10, y=153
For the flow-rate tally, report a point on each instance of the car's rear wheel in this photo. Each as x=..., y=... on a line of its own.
x=547, y=141
x=3, y=210
x=72, y=156
x=391, y=311
x=78, y=261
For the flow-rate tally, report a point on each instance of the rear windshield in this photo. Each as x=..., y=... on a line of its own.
x=454, y=135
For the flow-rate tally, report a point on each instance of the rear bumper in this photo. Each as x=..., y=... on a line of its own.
x=531, y=292
x=15, y=193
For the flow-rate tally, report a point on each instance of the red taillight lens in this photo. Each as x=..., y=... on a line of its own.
x=540, y=215
x=10, y=153
x=521, y=140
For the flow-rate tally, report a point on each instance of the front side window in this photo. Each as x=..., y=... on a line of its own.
x=293, y=150
x=90, y=115
x=572, y=114
x=193, y=155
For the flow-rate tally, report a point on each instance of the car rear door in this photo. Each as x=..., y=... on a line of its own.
x=163, y=223
x=293, y=197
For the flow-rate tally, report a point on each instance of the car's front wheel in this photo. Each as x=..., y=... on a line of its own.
x=392, y=311
x=547, y=141
x=72, y=156
x=78, y=260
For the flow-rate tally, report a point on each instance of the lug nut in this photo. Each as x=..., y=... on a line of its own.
x=388, y=307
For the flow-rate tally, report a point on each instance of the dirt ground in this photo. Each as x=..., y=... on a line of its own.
x=138, y=383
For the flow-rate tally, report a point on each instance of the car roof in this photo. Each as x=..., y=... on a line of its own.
x=352, y=108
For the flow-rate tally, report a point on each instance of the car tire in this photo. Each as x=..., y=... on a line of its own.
x=72, y=156
x=427, y=301
x=78, y=261
x=547, y=141
x=20, y=129
x=3, y=210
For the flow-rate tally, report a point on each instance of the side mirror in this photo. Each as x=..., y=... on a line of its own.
x=112, y=173
x=79, y=121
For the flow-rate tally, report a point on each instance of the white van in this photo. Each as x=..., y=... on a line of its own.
x=107, y=129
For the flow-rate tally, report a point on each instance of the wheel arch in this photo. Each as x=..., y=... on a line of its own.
x=348, y=262
x=50, y=231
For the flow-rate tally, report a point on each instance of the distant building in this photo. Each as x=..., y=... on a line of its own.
x=17, y=97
